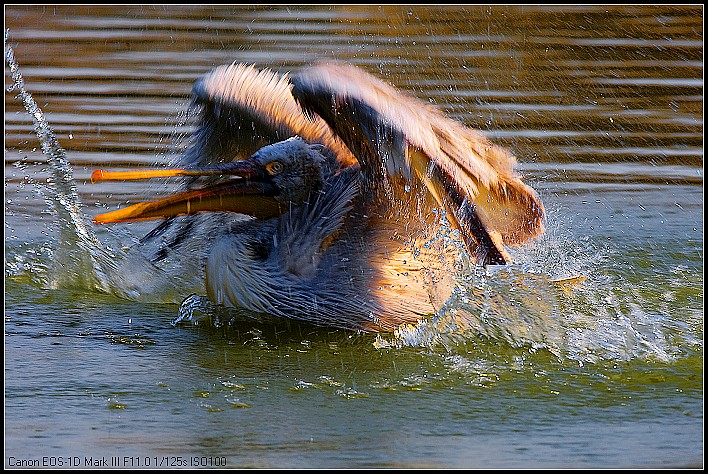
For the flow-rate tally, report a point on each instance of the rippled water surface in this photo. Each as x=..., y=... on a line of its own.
x=602, y=106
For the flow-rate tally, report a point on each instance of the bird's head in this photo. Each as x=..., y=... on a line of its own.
x=271, y=181
x=294, y=168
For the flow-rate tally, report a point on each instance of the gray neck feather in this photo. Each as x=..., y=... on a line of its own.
x=274, y=266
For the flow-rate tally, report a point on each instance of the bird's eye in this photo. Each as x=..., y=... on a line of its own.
x=274, y=168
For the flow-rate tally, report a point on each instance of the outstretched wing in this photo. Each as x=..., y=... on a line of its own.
x=240, y=110
x=394, y=135
x=244, y=109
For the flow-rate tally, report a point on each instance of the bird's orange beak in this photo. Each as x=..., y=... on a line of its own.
x=249, y=193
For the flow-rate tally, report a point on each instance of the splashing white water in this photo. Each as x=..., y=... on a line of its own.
x=538, y=305
x=79, y=259
x=78, y=252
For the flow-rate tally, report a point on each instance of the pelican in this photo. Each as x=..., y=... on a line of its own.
x=363, y=200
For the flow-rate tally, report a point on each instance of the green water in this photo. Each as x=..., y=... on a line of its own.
x=602, y=106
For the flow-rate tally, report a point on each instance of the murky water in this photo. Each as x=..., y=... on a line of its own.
x=603, y=107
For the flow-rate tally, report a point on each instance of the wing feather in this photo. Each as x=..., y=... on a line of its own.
x=470, y=176
x=245, y=109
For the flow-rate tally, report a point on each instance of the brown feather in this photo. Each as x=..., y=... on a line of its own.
x=481, y=173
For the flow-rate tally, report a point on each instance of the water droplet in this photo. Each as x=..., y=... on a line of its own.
x=351, y=393
x=237, y=403
x=114, y=404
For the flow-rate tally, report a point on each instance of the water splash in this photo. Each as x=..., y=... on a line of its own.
x=536, y=305
x=193, y=309
x=78, y=258
x=520, y=306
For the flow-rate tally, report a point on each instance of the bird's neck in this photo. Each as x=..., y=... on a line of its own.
x=305, y=231
x=270, y=266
